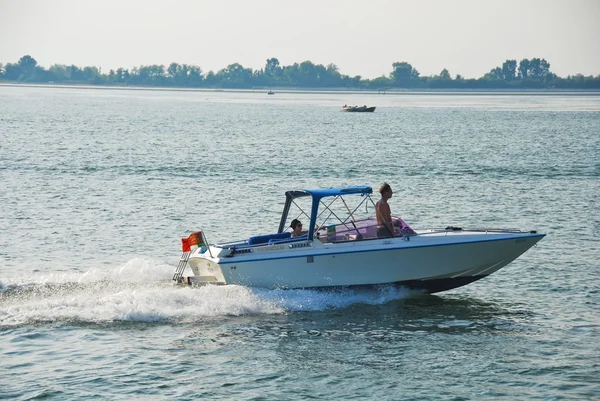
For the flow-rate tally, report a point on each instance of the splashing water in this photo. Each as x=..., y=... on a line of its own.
x=141, y=291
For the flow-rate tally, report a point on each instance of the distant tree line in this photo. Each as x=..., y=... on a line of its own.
x=527, y=74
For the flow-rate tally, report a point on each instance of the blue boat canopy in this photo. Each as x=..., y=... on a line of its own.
x=317, y=194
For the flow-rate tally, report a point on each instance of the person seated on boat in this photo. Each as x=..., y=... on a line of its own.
x=297, y=228
x=385, y=228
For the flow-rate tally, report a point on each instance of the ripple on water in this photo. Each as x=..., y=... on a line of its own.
x=99, y=185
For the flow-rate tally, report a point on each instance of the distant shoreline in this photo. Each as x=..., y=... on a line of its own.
x=480, y=92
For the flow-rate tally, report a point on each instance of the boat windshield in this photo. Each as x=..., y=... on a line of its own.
x=339, y=218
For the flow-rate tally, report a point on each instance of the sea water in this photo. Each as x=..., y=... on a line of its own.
x=97, y=186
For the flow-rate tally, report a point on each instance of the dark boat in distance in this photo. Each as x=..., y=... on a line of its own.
x=270, y=93
x=359, y=109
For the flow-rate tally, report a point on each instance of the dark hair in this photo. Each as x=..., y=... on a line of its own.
x=295, y=223
x=384, y=188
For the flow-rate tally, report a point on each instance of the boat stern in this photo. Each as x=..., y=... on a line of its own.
x=206, y=269
x=202, y=258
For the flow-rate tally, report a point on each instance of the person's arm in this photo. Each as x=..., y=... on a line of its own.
x=388, y=220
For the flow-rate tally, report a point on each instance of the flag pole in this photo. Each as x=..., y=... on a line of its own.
x=206, y=242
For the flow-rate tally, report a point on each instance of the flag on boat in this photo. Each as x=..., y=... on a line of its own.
x=331, y=233
x=195, y=239
x=185, y=245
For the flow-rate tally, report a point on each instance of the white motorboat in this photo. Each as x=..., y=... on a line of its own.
x=341, y=249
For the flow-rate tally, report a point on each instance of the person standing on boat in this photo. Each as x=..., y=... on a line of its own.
x=385, y=228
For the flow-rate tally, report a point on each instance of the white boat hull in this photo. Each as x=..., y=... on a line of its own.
x=431, y=261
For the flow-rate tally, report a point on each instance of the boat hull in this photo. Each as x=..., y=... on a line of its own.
x=361, y=109
x=428, y=263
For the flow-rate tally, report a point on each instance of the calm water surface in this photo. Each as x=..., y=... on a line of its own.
x=97, y=187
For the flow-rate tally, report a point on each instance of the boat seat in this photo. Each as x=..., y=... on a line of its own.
x=264, y=239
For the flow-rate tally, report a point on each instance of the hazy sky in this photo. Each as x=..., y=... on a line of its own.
x=364, y=37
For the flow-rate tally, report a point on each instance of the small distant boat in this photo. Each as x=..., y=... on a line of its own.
x=270, y=93
x=359, y=109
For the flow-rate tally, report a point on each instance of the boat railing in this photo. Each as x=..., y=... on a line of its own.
x=358, y=230
x=452, y=229
x=230, y=244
